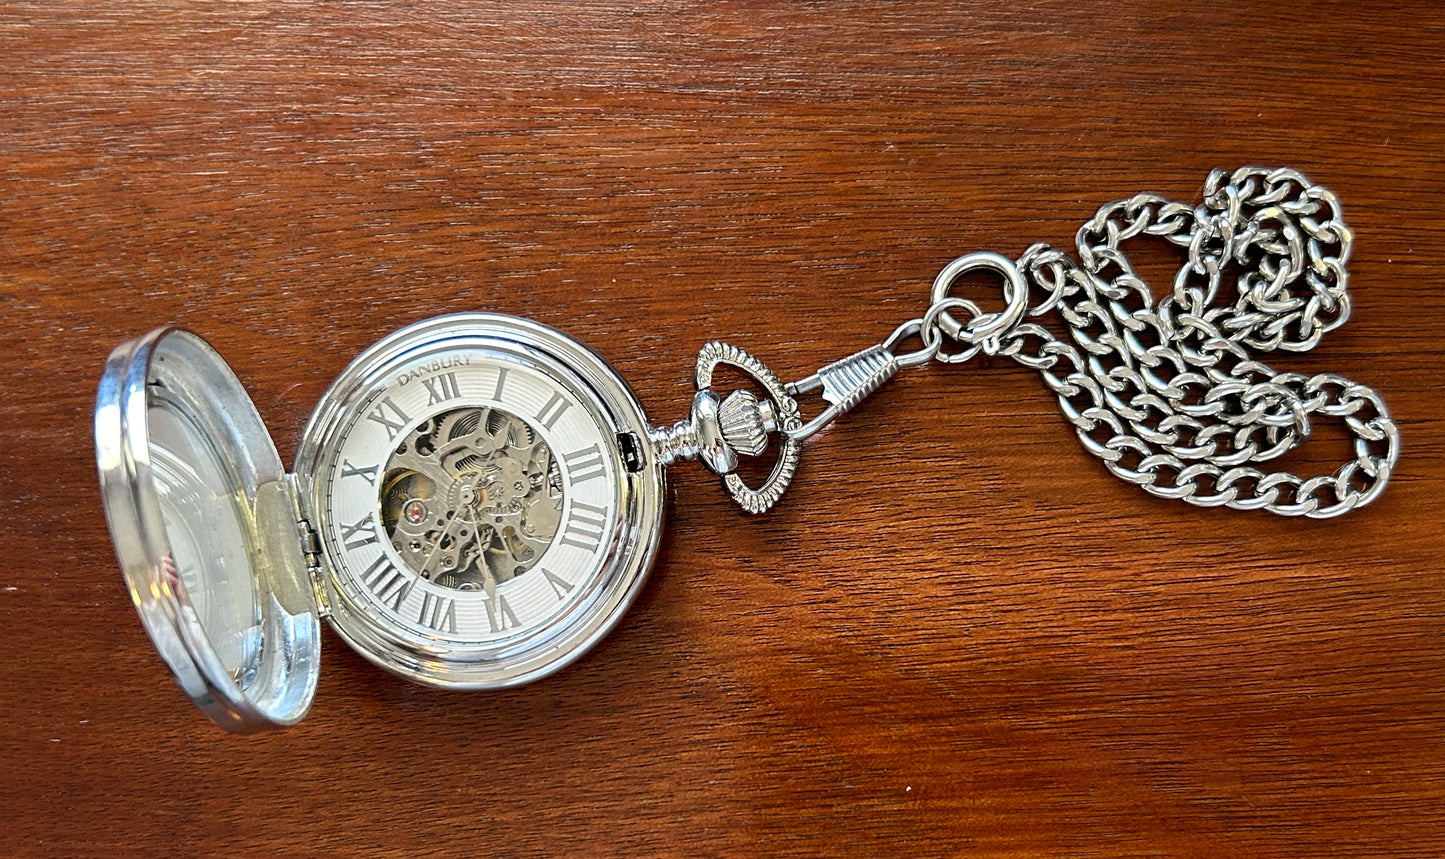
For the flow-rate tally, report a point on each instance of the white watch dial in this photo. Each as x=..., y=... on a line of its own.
x=484, y=498
x=470, y=499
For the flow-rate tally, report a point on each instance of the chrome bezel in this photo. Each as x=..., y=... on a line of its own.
x=631, y=546
x=175, y=370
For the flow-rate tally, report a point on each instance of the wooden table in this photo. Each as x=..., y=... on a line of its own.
x=957, y=634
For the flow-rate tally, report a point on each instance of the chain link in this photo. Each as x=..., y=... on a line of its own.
x=1169, y=395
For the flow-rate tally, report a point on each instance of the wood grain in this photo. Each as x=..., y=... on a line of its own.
x=958, y=635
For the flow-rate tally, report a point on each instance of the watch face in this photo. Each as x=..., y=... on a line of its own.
x=485, y=498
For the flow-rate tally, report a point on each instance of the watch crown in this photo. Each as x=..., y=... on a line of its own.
x=745, y=422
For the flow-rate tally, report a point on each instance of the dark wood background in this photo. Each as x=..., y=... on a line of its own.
x=958, y=634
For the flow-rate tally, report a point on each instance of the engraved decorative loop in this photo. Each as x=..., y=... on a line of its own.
x=715, y=354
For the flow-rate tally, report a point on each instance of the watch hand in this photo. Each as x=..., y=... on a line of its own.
x=450, y=531
x=489, y=582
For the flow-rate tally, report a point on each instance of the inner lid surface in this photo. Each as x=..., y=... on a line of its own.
x=204, y=523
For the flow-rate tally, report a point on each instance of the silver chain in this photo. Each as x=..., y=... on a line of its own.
x=1169, y=394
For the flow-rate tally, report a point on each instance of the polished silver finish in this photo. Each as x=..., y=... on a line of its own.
x=204, y=525
x=746, y=421
x=713, y=449
x=845, y=384
x=626, y=542
x=468, y=490
x=311, y=552
x=1171, y=395
x=982, y=332
x=230, y=560
x=702, y=435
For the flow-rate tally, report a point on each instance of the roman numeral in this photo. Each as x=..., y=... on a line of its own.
x=552, y=411
x=584, y=526
x=442, y=388
x=500, y=615
x=501, y=381
x=388, y=583
x=390, y=415
x=437, y=612
x=559, y=584
x=360, y=534
x=349, y=470
x=584, y=465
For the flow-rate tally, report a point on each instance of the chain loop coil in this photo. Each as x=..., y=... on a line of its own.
x=1170, y=394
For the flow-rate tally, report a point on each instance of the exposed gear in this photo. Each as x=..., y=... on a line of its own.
x=471, y=498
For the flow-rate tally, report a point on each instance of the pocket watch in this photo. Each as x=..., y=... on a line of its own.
x=476, y=500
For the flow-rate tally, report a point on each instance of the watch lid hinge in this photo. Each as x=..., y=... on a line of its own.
x=311, y=549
